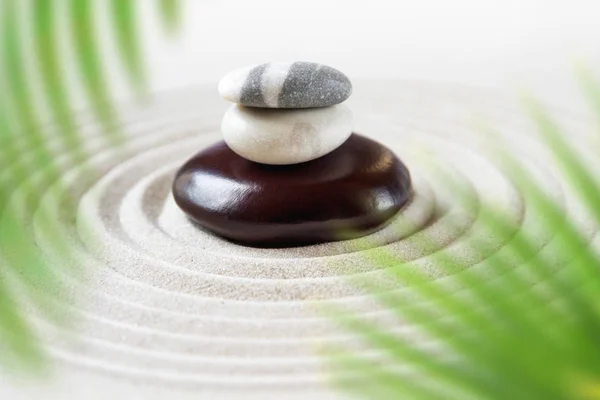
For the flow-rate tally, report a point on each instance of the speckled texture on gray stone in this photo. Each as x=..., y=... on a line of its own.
x=313, y=85
x=251, y=93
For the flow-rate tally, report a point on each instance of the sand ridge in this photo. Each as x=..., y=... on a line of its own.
x=164, y=306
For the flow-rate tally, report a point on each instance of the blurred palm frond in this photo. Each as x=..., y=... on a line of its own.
x=522, y=324
x=43, y=68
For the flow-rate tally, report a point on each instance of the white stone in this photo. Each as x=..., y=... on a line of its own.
x=283, y=136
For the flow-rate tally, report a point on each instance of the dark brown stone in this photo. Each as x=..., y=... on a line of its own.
x=350, y=192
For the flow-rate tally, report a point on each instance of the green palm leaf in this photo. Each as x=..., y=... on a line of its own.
x=169, y=10
x=500, y=338
x=89, y=64
x=124, y=22
x=36, y=115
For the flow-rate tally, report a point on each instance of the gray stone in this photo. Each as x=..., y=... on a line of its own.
x=286, y=85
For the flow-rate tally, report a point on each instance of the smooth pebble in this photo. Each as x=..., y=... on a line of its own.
x=351, y=192
x=286, y=85
x=282, y=136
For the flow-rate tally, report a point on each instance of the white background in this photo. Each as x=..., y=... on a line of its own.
x=507, y=44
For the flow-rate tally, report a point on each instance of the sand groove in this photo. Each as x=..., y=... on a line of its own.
x=165, y=304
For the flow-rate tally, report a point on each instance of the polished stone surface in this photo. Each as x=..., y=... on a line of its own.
x=285, y=136
x=350, y=192
x=286, y=85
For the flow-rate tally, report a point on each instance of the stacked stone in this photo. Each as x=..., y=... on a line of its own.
x=290, y=171
x=286, y=113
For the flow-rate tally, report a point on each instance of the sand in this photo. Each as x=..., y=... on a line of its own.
x=164, y=309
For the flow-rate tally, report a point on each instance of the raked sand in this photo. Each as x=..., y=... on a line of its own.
x=165, y=310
